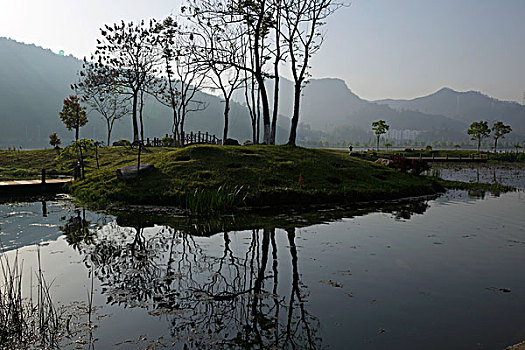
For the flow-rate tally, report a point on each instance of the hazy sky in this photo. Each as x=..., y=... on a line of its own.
x=381, y=48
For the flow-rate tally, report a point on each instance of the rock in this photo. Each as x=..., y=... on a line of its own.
x=230, y=142
x=119, y=143
x=386, y=162
x=130, y=171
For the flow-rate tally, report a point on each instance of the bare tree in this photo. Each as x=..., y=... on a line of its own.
x=302, y=20
x=108, y=102
x=278, y=57
x=254, y=20
x=218, y=53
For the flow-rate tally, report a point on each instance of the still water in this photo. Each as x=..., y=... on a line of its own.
x=433, y=273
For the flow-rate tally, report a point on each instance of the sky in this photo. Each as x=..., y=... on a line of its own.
x=382, y=48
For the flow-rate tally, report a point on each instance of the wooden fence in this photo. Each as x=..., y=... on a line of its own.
x=188, y=139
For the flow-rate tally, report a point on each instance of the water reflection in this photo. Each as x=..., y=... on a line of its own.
x=510, y=174
x=241, y=293
x=240, y=296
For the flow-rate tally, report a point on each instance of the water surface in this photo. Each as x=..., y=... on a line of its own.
x=437, y=273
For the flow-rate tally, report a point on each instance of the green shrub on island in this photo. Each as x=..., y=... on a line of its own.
x=167, y=141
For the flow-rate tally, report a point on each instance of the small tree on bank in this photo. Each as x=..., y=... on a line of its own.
x=379, y=127
x=73, y=115
x=54, y=140
x=478, y=131
x=499, y=131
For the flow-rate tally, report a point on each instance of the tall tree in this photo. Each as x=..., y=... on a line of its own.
x=167, y=32
x=254, y=19
x=73, y=115
x=478, y=131
x=126, y=56
x=218, y=54
x=379, y=127
x=499, y=130
x=278, y=56
x=302, y=20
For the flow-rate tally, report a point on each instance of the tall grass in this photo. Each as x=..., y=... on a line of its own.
x=24, y=322
x=220, y=199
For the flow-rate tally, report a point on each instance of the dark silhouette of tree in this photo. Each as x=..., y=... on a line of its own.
x=218, y=54
x=379, y=127
x=478, y=131
x=167, y=32
x=253, y=21
x=126, y=58
x=101, y=96
x=73, y=115
x=54, y=140
x=499, y=130
x=302, y=22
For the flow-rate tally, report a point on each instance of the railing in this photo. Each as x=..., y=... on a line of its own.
x=188, y=139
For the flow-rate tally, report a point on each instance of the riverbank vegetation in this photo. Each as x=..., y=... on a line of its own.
x=221, y=177
x=205, y=178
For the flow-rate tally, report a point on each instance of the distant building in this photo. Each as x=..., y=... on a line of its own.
x=401, y=135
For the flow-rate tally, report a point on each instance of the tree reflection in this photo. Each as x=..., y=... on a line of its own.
x=235, y=296
x=239, y=288
x=76, y=229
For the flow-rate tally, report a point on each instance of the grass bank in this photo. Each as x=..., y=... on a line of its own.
x=201, y=178
x=507, y=156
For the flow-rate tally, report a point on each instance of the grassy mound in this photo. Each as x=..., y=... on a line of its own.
x=203, y=178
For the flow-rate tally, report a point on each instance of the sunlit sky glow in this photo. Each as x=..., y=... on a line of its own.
x=381, y=48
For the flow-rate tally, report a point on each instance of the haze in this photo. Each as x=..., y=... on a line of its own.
x=381, y=48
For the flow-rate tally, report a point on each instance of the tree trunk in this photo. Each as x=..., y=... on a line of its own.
x=275, y=103
x=479, y=144
x=254, y=131
x=134, y=117
x=76, y=132
x=295, y=117
x=265, y=110
x=140, y=115
x=495, y=145
x=258, y=116
x=377, y=147
x=109, y=132
x=226, y=115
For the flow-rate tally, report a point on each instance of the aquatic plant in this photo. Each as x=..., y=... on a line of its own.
x=220, y=199
x=25, y=322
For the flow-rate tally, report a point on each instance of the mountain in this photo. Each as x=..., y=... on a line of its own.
x=328, y=104
x=466, y=106
x=34, y=82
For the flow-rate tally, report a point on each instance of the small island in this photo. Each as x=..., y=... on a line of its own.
x=202, y=178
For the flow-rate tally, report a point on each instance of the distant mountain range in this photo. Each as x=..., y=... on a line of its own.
x=466, y=106
x=34, y=83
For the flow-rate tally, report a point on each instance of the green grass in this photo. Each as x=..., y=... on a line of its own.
x=262, y=175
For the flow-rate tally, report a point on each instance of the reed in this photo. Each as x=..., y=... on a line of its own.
x=27, y=322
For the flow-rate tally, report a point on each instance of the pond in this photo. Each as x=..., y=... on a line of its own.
x=427, y=273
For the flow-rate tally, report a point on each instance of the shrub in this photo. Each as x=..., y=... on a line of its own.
x=414, y=166
x=167, y=141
